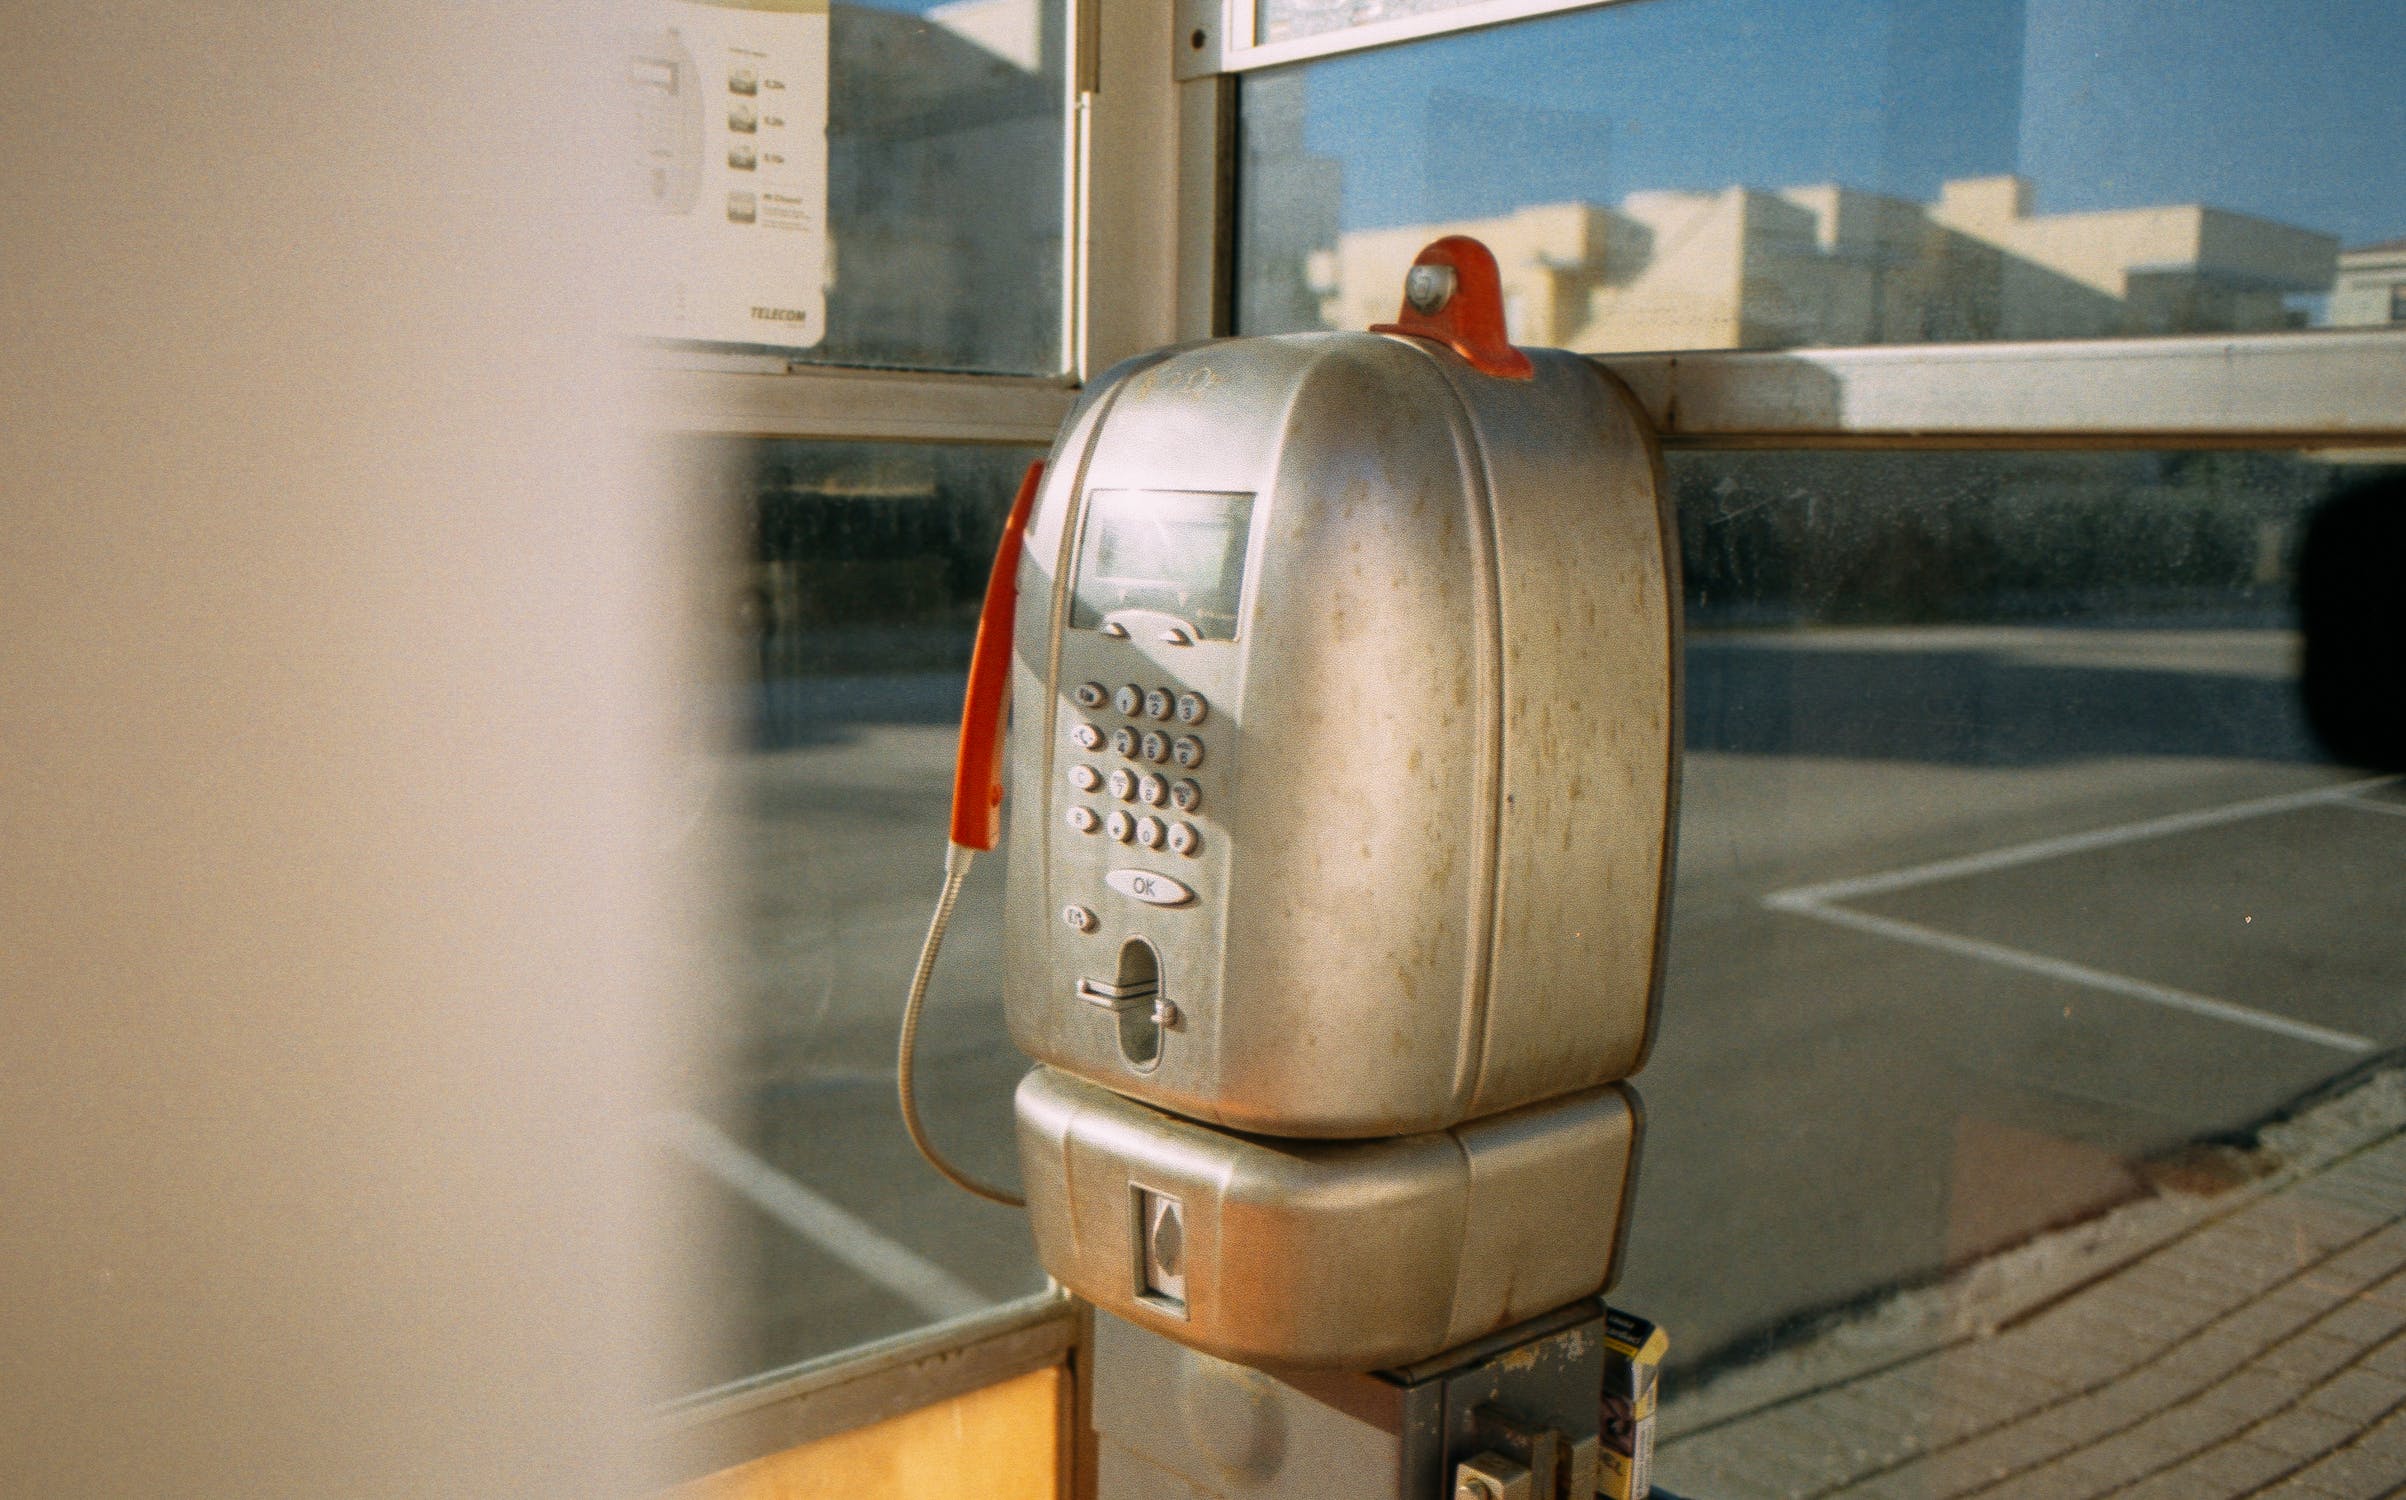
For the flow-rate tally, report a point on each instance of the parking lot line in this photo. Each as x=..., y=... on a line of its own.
x=889, y=1263
x=2072, y=973
x=1820, y=900
x=1798, y=897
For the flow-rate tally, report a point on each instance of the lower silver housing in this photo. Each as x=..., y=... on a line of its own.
x=1332, y=1255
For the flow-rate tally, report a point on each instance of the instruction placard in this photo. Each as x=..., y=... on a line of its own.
x=729, y=169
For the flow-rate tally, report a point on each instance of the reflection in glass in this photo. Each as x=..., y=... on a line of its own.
x=856, y=605
x=946, y=135
x=2010, y=870
x=946, y=138
x=1940, y=708
x=1775, y=173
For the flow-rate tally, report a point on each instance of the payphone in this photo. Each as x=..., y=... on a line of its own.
x=1343, y=768
x=1343, y=776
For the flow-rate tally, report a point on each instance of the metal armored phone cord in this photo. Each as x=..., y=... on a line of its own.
x=956, y=870
x=976, y=812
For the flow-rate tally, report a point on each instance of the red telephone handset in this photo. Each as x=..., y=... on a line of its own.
x=977, y=774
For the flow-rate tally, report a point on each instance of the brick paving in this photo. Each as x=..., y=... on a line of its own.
x=2260, y=1351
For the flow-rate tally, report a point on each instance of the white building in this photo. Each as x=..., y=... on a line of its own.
x=2372, y=285
x=1828, y=264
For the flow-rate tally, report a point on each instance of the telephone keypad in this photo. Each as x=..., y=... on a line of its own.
x=1131, y=783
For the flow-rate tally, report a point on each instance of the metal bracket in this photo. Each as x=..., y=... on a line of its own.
x=1557, y=1467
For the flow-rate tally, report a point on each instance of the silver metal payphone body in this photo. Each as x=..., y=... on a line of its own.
x=1344, y=755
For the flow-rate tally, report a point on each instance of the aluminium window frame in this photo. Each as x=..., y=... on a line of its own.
x=1151, y=261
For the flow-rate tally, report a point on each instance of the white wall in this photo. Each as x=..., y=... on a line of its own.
x=340, y=926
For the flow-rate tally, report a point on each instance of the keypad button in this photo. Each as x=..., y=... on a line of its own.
x=1119, y=825
x=1082, y=819
x=1089, y=694
x=1123, y=741
x=1152, y=791
x=1158, y=703
x=1155, y=746
x=1188, y=752
x=1185, y=840
x=1185, y=795
x=1149, y=886
x=1086, y=736
x=1084, y=778
x=1123, y=783
x=1192, y=709
x=1150, y=833
x=1078, y=917
x=1128, y=699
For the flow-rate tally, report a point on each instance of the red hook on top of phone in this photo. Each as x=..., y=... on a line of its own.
x=1454, y=295
x=977, y=788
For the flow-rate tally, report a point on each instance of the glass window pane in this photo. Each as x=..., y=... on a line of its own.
x=862, y=572
x=2017, y=889
x=1715, y=174
x=946, y=145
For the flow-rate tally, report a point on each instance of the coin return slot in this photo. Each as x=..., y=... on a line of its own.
x=1161, y=1251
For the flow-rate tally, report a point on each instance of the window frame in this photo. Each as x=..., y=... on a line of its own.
x=1224, y=35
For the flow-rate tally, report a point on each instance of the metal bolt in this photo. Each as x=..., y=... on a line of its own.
x=1429, y=288
x=1492, y=1476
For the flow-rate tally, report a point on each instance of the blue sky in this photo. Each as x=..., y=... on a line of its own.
x=2291, y=109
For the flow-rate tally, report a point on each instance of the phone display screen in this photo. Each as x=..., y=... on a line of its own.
x=1177, y=552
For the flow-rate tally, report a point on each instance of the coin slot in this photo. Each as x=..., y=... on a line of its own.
x=1139, y=1028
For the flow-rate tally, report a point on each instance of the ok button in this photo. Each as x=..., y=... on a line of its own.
x=1152, y=889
